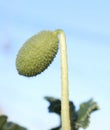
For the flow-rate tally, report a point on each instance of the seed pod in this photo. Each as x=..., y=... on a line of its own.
x=37, y=53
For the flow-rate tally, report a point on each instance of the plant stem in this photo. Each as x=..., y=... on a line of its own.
x=65, y=115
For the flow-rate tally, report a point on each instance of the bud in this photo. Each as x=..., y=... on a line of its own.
x=37, y=53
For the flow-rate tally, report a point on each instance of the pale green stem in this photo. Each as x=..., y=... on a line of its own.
x=65, y=116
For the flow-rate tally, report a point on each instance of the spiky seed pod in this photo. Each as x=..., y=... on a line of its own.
x=37, y=53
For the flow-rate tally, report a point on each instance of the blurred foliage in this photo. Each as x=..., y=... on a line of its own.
x=5, y=125
x=79, y=118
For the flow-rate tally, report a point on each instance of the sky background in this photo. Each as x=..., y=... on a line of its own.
x=87, y=28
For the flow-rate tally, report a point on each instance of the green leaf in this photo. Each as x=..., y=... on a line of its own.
x=84, y=112
x=80, y=118
x=5, y=125
x=3, y=119
x=55, y=107
x=12, y=126
x=56, y=128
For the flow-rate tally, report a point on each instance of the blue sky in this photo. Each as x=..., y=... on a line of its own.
x=86, y=25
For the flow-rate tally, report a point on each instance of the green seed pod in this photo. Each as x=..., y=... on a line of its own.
x=37, y=53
